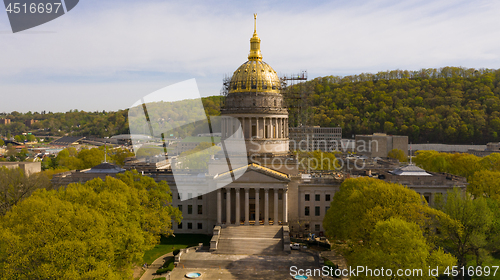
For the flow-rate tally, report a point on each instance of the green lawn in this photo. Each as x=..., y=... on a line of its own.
x=168, y=244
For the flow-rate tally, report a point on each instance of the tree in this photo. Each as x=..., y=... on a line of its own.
x=1, y=142
x=90, y=157
x=369, y=215
x=485, y=183
x=362, y=202
x=16, y=186
x=31, y=138
x=468, y=237
x=22, y=155
x=119, y=155
x=11, y=150
x=67, y=159
x=40, y=232
x=493, y=234
x=397, y=244
x=198, y=157
x=397, y=154
x=96, y=230
x=318, y=160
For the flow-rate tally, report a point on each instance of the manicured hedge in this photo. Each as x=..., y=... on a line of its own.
x=167, y=266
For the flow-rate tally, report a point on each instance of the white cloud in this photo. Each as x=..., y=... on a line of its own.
x=183, y=40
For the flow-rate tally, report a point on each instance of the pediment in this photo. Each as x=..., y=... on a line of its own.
x=257, y=173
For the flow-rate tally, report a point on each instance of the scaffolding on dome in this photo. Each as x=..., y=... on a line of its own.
x=295, y=93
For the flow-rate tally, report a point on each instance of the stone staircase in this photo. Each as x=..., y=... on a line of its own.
x=251, y=240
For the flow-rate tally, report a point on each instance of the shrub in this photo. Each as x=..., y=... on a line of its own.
x=167, y=266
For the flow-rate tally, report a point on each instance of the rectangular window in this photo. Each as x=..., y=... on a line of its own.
x=307, y=197
x=326, y=209
x=316, y=211
x=317, y=197
x=200, y=209
x=316, y=227
x=190, y=209
x=190, y=195
x=327, y=197
x=306, y=227
x=200, y=226
x=200, y=196
x=179, y=226
x=180, y=207
x=179, y=195
x=306, y=212
x=190, y=225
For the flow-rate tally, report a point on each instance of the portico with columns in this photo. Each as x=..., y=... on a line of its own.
x=259, y=197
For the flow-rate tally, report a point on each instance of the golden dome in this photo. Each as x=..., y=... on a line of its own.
x=255, y=75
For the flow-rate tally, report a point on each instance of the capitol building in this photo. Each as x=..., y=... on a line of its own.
x=270, y=190
x=261, y=184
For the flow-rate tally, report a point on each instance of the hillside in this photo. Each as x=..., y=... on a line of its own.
x=447, y=105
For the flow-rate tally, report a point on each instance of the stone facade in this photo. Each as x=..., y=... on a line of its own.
x=380, y=144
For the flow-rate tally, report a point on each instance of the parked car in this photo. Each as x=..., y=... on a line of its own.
x=295, y=246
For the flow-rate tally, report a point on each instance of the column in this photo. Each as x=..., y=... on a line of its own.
x=238, y=218
x=219, y=207
x=257, y=127
x=228, y=206
x=285, y=206
x=266, y=206
x=283, y=127
x=271, y=122
x=279, y=128
x=264, y=127
x=286, y=128
x=276, y=206
x=275, y=129
x=247, y=206
x=257, y=207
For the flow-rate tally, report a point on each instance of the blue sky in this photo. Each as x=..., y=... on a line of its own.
x=105, y=55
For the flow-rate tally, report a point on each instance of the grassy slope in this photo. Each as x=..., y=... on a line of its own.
x=168, y=244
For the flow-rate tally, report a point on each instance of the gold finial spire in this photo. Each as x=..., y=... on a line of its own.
x=254, y=23
x=255, y=43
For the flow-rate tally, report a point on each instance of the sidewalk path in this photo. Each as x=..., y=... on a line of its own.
x=148, y=275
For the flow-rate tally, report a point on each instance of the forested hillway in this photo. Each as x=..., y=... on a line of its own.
x=448, y=105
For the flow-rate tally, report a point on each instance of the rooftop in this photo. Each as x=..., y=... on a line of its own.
x=410, y=170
